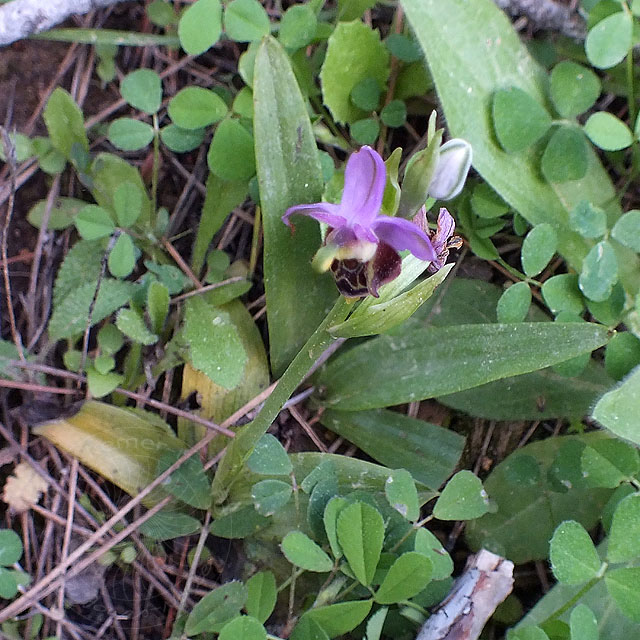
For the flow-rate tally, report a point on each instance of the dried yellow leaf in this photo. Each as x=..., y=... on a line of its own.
x=23, y=488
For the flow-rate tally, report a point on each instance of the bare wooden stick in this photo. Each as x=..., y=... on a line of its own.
x=23, y=18
x=487, y=580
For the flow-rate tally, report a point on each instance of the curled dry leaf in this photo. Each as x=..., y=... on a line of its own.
x=23, y=488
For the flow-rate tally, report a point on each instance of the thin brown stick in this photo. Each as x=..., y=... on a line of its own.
x=50, y=581
x=36, y=388
x=181, y=263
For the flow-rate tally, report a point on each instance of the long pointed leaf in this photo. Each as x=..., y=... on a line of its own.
x=289, y=173
x=431, y=362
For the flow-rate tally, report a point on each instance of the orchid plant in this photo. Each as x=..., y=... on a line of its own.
x=362, y=245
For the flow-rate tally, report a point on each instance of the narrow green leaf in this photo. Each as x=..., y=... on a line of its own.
x=574, y=558
x=262, y=595
x=360, y=532
x=303, y=552
x=157, y=305
x=431, y=362
x=330, y=519
x=464, y=498
x=407, y=577
x=289, y=173
x=375, y=624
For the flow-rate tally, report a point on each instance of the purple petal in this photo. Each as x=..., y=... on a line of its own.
x=320, y=211
x=364, y=180
x=402, y=234
x=446, y=227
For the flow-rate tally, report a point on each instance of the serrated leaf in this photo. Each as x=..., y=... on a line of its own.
x=407, y=577
x=354, y=53
x=573, y=556
x=287, y=178
x=464, y=498
x=262, y=595
x=303, y=552
x=131, y=323
x=360, y=531
x=70, y=315
x=189, y=482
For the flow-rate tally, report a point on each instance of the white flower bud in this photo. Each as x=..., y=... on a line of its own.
x=452, y=169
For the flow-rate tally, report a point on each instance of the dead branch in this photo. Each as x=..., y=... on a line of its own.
x=487, y=580
x=23, y=18
x=547, y=14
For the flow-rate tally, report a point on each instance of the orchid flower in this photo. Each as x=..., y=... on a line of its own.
x=361, y=245
x=442, y=239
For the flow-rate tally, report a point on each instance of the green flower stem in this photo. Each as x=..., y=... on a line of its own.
x=240, y=448
x=567, y=605
x=108, y=36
